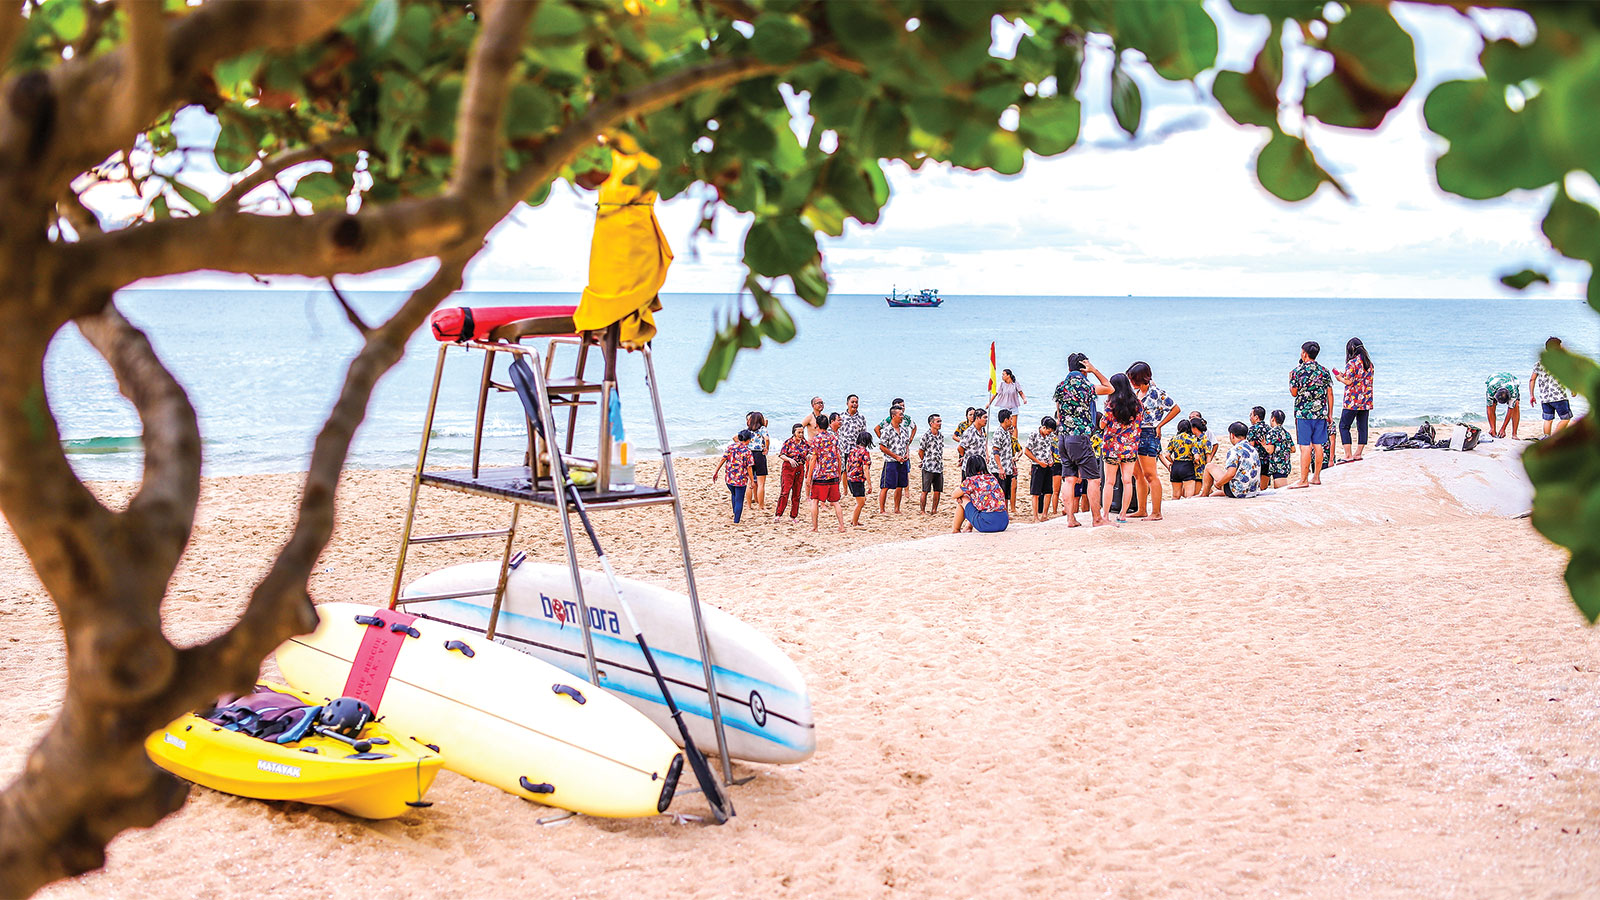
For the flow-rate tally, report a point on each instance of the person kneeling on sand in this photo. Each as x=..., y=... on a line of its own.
x=1239, y=470
x=980, y=504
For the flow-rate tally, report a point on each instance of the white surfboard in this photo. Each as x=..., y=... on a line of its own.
x=766, y=709
x=497, y=716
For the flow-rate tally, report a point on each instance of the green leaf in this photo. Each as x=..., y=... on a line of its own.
x=1069, y=68
x=1577, y=372
x=236, y=143
x=1179, y=39
x=1565, y=470
x=776, y=322
x=230, y=74
x=719, y=360
x=1050, y=125
x=1521, y=280
x=159, y=207
x=1374, y=65
x=530, y=109
x=1278, y=10
x=67, y=19
x=194, y=198
x=859, y=27
x=557, y=22
x=322, y=190
x=1573, y=228
x=884, y=131
x=778, y=246
x=825, y=215
x=1126, y=104
x=849, y=184
x=1286, y=167
x=780, y=39
x=811, y=283
x=1243, y=100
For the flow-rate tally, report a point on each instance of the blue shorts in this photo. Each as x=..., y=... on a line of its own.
x=1562, y=408
x=987, y=522
x=894, y=475
x=1149, y=443
x=1311, y=432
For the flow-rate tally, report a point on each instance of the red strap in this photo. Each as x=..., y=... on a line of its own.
x=380, y=647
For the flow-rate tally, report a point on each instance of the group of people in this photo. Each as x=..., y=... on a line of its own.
x=1544, y=391
x=1106, y=433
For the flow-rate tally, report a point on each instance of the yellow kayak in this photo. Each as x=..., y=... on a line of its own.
x=376, y=777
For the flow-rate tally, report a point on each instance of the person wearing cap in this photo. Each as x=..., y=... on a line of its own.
x=1501, y=390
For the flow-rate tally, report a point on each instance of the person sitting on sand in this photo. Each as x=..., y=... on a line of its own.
x=1203, y=448
x=826, y=466
x=896, y=435
x=815, y=420
x=857, y=468
x=930, y=458
x=739, y=463
x=1179, y=460
x=1501, y=390
x=1276, y=466
x=1239, y=470
x=1311, y=386
x=1551, y=395
x=1040, y=481
x=794, y=453
x=1258, y=438
x=980, y=504
x=1119, y=430
x=975, y=442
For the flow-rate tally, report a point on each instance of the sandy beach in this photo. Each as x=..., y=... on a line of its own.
x=1375, y=688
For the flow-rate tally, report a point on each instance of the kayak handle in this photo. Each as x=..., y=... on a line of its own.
x=530, y=787
x=369, y=621
x=403, y=628
x=466, y=651
x=572, y=692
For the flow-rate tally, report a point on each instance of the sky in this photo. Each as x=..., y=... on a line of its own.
x=1176, y=212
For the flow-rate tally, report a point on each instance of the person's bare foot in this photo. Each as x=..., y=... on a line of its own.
x=1153, y=519
x=841, y=529
x=1096, y=523
x=1072, y=522
x=1137, y=515
x=1316, y=481
x=1298, y=485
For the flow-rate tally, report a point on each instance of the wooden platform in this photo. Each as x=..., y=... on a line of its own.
x=514, y=483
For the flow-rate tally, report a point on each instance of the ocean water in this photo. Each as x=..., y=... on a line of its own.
x=264, y=366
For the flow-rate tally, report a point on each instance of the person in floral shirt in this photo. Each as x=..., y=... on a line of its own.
x=1277, y=466
x=1002, y=454
x=857, y=466
x=1501, y=390
x=852, y=422
x=896, y=436
x=980, y=503
x=1551, y=395
x=1357, y=381
x=1156, y=409
x=756, y=423
x=1239, y=470
x=930, y=452
x=1119, y=430
x=826, y=467
x=739, y=464
x=1257, y=437
x=975, y=441
x=795, y=453
x=1080, y=461
x=1038, y=450
x=1311, y=386
x=1179, y=460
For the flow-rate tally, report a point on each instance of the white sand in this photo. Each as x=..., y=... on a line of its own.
x=1374, y=688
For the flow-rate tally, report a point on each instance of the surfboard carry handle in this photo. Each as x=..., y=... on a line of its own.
x=369, y=621
x=570, y=691
x=540, y=788
x=403, y=628
x=466, y=651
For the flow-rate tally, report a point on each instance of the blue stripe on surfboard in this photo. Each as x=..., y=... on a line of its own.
x=733, y=687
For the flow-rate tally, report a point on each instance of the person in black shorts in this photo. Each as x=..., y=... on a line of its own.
x=1041, y=481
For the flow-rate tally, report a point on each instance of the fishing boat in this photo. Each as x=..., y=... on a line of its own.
x=927, y=297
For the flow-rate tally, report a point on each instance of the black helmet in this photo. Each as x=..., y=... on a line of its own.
x=346, y=715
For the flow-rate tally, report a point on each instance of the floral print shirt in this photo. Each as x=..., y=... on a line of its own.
x=932, y=449
x=1257, y=435
x=1041, y=446
x=1005, y=459
x=737, y=462
x=850, y=427
x=1502, y=380
x=1245, y=462
x=1154, y=407
x=1075, y=404
x=857, y=464
x=796, y=448
x=1202, y=450
x=825, y=459
x=1546, y=389
x=983, y=492
x=975, y=443
x=896, y=440
x=1358, y=384
x=1311, y=382
x=1181, y=448
x=1121, y=438
x=1282, y=444
x=758, y=440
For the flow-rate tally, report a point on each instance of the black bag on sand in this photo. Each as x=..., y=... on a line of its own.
x=1390, y=440
x=1423, y=438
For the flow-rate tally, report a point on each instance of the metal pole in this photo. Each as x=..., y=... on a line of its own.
x=558, y=480
x=483, y=404
x=688, y=568
x=505, y=571
x=416, y=477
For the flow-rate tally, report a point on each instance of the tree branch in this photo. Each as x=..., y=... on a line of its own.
x=147, y=71
x=163, y=509
x=11, y=25
x=483, y=96
x=280, y=606
x=269, y=169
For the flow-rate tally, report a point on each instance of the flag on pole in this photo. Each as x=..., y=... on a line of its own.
x=994, y=376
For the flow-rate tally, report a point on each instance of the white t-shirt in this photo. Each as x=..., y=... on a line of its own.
x=1009, y=396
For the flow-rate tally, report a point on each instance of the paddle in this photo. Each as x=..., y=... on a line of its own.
x=721, y=807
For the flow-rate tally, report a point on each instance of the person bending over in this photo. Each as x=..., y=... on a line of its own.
x=1501, y=390
x=980, y=504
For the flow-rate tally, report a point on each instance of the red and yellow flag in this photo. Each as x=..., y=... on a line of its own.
x=994, y=375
